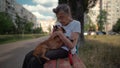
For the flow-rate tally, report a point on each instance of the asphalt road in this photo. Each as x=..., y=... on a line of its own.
x=12, y=54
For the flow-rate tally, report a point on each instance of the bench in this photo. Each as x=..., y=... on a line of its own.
x=64, y=63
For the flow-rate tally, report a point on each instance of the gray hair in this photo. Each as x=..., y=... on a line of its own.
x=62, y=7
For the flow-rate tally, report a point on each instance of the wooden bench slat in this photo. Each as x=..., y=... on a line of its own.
x=64, y=63
x=50, y=64
x=77, y=62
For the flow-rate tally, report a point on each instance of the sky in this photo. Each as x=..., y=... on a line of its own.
x=42, y=9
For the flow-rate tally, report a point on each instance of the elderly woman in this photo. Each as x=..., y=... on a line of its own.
x=72, y=28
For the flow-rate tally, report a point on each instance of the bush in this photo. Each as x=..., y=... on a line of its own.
x=6, y=24
x=13, y=38
x=116, y=27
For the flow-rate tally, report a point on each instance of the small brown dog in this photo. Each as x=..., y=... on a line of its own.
x=50, y=43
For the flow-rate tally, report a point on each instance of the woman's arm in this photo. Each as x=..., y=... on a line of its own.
x=74, y=37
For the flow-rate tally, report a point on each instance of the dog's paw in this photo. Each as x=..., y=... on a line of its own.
x=48, y=59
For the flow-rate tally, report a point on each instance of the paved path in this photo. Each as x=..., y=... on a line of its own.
x=12, y=54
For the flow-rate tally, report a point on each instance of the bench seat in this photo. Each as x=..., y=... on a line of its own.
x=64, y=63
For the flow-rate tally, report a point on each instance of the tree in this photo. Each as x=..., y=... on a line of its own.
x=89, y=26
x=116, y=27
x=20, y=24
x=78, y=8
x=102, y=20
x=6, y=24
x=38, y=29
x=28, y=27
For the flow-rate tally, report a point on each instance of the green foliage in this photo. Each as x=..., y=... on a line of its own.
x=102, y=20
x=92, y=27
x=38, y=30
x=23, y=26
x=89, y=26
x=86, y=27
x=6, y=24
x=17, y=37
x=28, y=27
x=116, y=27
x=20, y=24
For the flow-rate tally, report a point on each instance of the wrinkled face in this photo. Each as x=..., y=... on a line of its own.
x=62, y=17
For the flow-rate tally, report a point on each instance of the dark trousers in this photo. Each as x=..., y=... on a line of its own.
x=32, y=62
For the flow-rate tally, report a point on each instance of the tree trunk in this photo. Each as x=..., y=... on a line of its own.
x=78, y=14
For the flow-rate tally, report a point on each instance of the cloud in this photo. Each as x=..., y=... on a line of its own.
x=41, y=16
x=47, y=3
x=42, y=9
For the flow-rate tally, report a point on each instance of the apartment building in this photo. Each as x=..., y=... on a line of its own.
x=112, y=7
x=8, y=7
x=2, y=6
x=13, y=8
x=25, y=14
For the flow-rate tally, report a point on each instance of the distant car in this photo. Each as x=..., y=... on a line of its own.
x=85, y=33
x=100, y=33
x=112, y=33
x=92, y=33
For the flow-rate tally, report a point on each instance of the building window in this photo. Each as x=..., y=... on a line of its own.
x=6, y=9
x=117, y=10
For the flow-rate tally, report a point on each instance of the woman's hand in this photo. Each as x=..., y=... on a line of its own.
x=67, y=42
x=64, y=39
x=56, y=33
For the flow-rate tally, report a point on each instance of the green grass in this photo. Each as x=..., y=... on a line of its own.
x=101, y=51
x=13, y=38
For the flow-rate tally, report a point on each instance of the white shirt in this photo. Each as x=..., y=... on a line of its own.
x=73, y=26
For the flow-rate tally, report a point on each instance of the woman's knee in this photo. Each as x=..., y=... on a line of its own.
x=33, y=63
x=58, y=53
x=27, y=59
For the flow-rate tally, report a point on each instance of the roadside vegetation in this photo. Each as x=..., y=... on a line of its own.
x=20, y=29
x=13, y=38
x=101, y=51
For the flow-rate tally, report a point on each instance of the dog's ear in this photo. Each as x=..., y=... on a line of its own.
x=63, y=30
x=55, y=28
